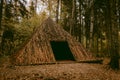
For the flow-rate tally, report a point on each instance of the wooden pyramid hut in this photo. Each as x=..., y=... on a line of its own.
x=50, y=43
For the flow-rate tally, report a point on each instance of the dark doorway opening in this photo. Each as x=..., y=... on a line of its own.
x=61, y=50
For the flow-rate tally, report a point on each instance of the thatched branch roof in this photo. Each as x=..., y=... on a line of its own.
x=38, y=49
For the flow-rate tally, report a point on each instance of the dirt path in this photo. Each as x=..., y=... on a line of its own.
x=73, y=71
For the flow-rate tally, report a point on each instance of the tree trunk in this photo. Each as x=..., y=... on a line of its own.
x=91, y=28
x=1, y=10
x=114, y=63
x=80, y=37
x=108, y=26
x=1, y=31
x=36, y=1
x=72, y=17
x=57, y=11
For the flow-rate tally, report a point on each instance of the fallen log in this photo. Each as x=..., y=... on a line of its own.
x=100, y=61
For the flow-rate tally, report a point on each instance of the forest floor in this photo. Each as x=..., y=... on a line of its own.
x=63, y=71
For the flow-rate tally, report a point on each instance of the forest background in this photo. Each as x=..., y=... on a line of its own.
x=94, y=23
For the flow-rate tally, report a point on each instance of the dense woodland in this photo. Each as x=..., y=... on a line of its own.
x=94, y=23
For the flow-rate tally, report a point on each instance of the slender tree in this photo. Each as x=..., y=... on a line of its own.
x=1, y=10
x=57, y=10
x=91, y=26
x=72, y=17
